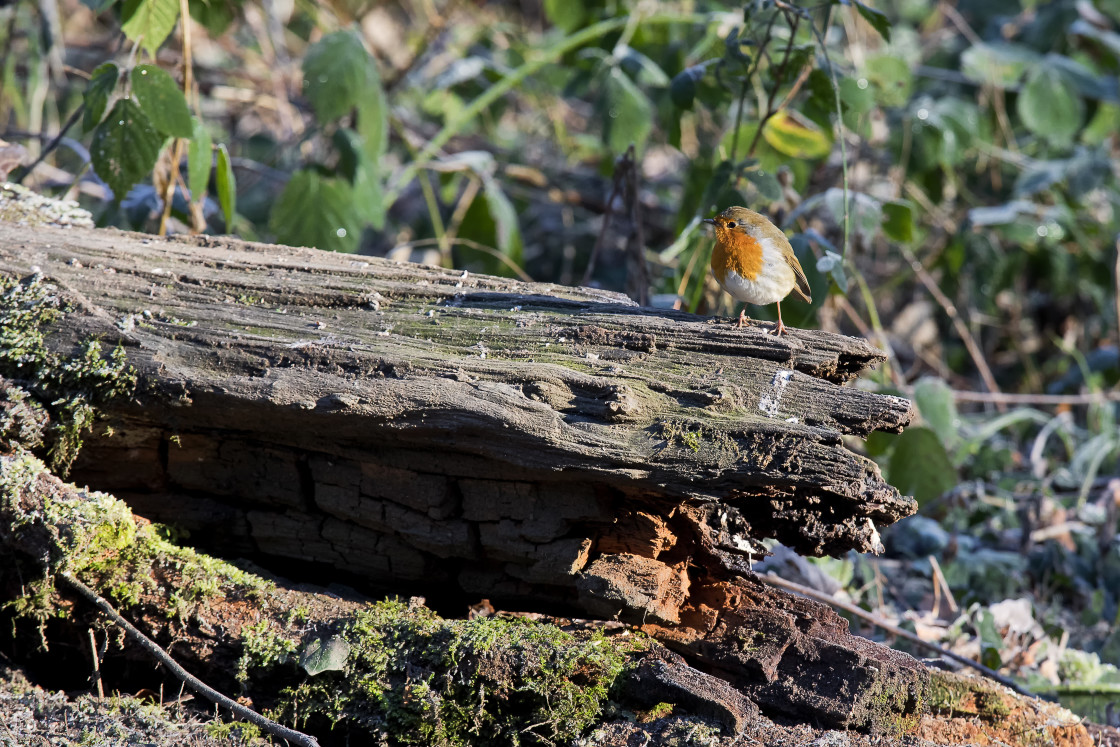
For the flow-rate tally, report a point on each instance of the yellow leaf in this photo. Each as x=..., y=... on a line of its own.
x=796, y=136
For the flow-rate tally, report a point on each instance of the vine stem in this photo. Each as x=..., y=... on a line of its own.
x=514, y=79
x=277, y=730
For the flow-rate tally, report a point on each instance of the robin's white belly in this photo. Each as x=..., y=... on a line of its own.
x=774, y=281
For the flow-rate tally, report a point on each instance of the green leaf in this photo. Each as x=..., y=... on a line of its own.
x=160, y=98
x=360, y=170
x=124, y=148
x=200, y=159
x=227, y=187
x=101, y=84
x=935, y=402
x=373, y=120
x=876, y=18
x=507, y=226
x=325, y=655
x=898, y=220
x=892, y=79
x=797, y=137
x=628, y=114
x=920, y=466
x=766, y=183
x=337, y=71
x=215, y=15
x=682, y=89
x=1049, y=107
x=832, y=264
x=857, y=95
x=565, y=14
x=149, y=22
x=317, y=210
x=998, y=63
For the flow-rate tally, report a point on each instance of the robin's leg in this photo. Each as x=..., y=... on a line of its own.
x=781, y=327
x=742, y=317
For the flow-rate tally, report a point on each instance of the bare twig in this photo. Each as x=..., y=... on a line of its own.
x=1116, y=295
x=95, y=676
x=958, y=323
x=620, y=167
x=1057, y=400
x=51, y=145
x=277, y=730
x=779, y=78
x=879, y=622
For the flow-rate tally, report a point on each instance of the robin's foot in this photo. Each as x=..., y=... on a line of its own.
x=742, y=318
x=779, y=328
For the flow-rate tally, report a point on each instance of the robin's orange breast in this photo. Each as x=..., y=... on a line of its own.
x=738, y=252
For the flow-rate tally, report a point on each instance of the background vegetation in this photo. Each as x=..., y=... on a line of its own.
x=946, y=171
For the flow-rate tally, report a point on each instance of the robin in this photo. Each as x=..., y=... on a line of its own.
x=754, y=262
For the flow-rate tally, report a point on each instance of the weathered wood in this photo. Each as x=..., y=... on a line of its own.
x=474, y=435
x=765, y=654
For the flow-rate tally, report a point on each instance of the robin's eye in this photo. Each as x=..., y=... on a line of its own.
x=731, y=224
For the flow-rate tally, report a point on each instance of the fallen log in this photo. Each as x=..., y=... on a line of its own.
x=425, y=431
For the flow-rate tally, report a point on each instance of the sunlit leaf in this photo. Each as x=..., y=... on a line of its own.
x=149, y=22
x=226, y=186
x=102, y=81
x=891, y=77
x=998, y=63
x=160, y=98
x=124, y=147
x=920, y=466
x=1048, y=106
x=200, y=159
x=317, y=210
x=797, y=137
x=337, y=70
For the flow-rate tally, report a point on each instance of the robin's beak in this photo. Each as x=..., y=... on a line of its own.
x=709, y=220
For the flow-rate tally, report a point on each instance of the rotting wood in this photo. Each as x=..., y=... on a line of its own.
x=779, y=656
x=476, y=435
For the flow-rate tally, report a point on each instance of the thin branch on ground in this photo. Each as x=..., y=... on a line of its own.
x=198, y=686
x=52, y=145
x=879, y=622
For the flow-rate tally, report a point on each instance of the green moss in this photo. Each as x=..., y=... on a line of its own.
x=956, y=695
x=490, y=680
x=262, y=646
x=98, y=539
x=70, y=385
x=236, y=732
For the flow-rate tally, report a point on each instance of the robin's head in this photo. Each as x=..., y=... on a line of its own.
x=737, y=219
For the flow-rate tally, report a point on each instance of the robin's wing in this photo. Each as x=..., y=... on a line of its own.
x=802, y=286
